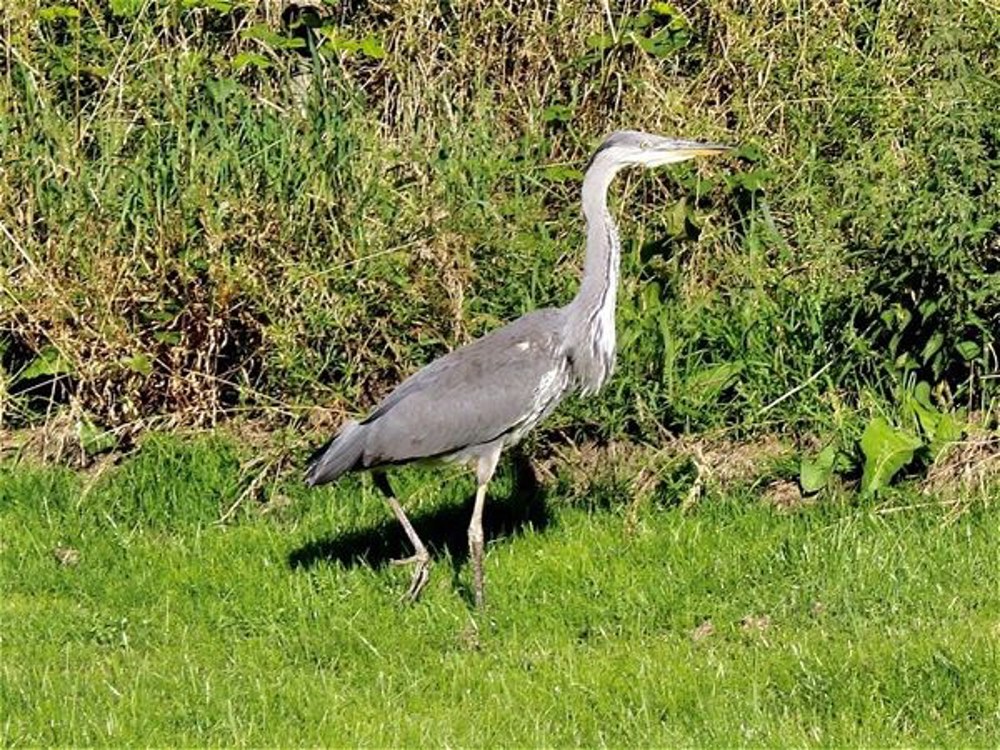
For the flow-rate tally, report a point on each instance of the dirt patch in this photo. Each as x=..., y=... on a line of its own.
x=66, y=556
x=703, y=631
x=786, y=495
x=966, y=469
x=716, y=462
x=68, y=439
x=730, y=462
x=584, y=461
x=57, y=440
x=756, y=623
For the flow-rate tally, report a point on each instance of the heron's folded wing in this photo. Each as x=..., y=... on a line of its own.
x=471, y=397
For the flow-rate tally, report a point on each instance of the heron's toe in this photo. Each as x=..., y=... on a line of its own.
x=421, y=576
x=411, y=560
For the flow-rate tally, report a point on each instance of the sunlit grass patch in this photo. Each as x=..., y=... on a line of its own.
x=728, y=622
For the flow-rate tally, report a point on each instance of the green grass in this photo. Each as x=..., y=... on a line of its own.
x=883, y=629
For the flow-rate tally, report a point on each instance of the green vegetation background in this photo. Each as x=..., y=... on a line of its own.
x=205, y=207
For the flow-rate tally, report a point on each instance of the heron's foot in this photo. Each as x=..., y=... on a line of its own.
x=421, y=573
x=408, y=560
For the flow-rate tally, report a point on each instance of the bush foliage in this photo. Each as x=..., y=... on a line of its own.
x=213, y=205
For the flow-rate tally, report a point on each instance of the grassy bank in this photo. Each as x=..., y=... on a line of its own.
x=201, y=213
x=131, y=615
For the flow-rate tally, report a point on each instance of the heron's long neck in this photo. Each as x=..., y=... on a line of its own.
x=592, y=311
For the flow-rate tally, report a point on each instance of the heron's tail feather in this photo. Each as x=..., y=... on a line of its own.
x=338, y=456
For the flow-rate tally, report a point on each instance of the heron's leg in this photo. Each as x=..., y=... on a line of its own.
x=421, y=559
x=484, y=471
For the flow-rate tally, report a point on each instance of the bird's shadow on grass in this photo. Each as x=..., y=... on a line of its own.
x=443, y=531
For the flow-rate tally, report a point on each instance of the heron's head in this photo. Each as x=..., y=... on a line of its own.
x=632, y=147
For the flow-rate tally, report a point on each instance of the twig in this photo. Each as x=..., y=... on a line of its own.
x=250, y=489
x=796, y=389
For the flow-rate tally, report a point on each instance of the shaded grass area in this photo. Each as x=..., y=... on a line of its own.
x=837, y=623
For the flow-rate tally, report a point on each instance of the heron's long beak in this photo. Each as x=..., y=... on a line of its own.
x=691, y=149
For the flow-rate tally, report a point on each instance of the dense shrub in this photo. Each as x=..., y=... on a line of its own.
x=209, y=205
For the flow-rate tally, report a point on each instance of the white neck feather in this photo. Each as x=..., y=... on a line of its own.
x=591, y=318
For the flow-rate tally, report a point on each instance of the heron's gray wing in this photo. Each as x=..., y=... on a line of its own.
x=471, y=396
x=535, y=325
x=415, y=382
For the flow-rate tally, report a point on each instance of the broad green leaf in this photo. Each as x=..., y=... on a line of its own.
x=927, y=418
x=221, y=6
x=967, y=350
x=661, y=44
x=651, y=297
x=749, y=152
x=372, y=47
x=932, y=346
x=896, y=318
x=48, y=363
x=919, y=402
x=558, y=173
x=638, y=23
x=126, y=8
x=307, y=18
x=139, y=363
x=600, y=41
x=677, y=218
x=172, y=338
x=557, y=113
x=814, y=475
x=922, y=393
x=55, y=12
x=263, y=33
x=97, y=71
x=887, y=449
x=94, y=439
x=665, y=9
x=220, y=89
x=162, y=316
x=709, y=383
x=246, y=59
x=753, y=180
x=336, y=42
x=950, y=428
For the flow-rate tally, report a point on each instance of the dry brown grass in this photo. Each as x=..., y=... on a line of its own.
x=967, y=471
x=711, y=464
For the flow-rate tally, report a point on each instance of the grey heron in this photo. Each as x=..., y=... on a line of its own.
x=477, y=400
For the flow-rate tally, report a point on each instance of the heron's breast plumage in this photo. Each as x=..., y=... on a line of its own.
x=549, y=391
